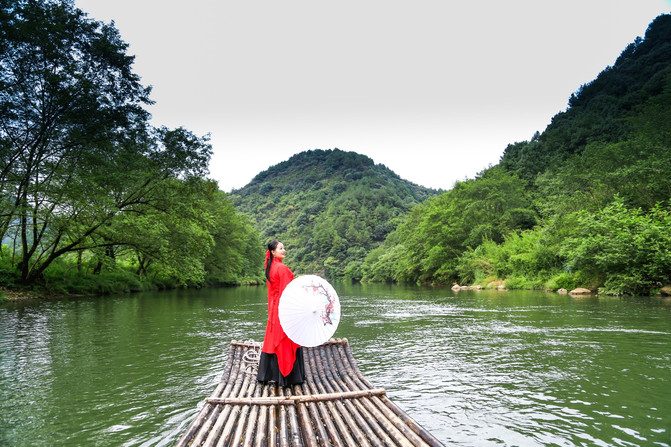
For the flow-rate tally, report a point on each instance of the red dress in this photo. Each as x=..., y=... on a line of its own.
x=276, y=341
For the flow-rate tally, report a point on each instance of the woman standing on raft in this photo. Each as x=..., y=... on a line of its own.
x=281, y=359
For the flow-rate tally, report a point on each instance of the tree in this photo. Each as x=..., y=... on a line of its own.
x=78, y=153
x=438, y=231
x=236, y=255
x=624, y=249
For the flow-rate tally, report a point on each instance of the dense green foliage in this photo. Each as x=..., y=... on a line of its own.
x=618, y=249
x=585, y=203
x=88, y=187
x=427, y=246
x=606, y=109
x=329, y=207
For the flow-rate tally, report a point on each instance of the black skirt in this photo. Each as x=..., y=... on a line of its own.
x=269, y=370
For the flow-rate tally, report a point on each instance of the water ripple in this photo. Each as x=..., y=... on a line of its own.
x=475, y=369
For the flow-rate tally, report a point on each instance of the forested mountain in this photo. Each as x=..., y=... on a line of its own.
x=609, y=109
x=585, y=203
x=329, y=207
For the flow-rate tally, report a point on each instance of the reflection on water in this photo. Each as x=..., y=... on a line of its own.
x=474, y=368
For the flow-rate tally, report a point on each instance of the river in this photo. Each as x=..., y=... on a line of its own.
x=475, y=368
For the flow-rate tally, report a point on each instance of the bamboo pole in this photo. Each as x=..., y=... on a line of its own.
x=383, y=412
x=305, y=423
x=296, y=399
x=369, y=426
x=272, y=420
x=226, y=374
x=311, y=418
x=207, y=409
x=253, y=418
x=412, y=424
x=396, y=421
x=406, y=421
x=241, y=383
x=284, y=431
x=215, y=430
x=358, y=374
x=402, y=424
x=245, y=343
x=323, y=423
x=232, y=388
x=335, y=406
x=206, y=427
x=382, y=437
x=330, y=415
x=358, y=427
x=391, y=422
x=262, y=429
x=225, y=411
x=292, y=422
x=336, y=341
x=385, y=430
x=336, y=410
x=244, y=412
x=342, y=419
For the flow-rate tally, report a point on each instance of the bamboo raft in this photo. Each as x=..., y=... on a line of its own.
x=335, y=406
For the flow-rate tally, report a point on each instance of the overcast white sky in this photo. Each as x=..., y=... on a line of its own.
x=433, y=89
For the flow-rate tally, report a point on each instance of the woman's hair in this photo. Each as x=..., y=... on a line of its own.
x=272, y=245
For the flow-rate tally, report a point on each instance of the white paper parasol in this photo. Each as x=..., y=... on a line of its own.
x=309, y=310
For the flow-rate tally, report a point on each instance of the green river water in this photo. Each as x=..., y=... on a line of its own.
x=475, y=368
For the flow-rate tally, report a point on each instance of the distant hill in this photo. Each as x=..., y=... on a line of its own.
x=606, y=109
x=329, y=207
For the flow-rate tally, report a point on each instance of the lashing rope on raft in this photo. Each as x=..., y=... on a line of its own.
x=251, y=357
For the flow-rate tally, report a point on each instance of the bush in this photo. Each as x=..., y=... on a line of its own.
x=8, y=275
x=523, y=257
x=64, y=279
x=516, y=282
x=475, y=265
x=626, y=251
x=563, y=280
x=8, y=278
x=522, y=282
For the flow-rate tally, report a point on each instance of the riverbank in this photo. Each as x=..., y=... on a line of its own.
x=17, y=295
x=100, y=288
x=62, y=283
x=499, y=285
x=663, y=292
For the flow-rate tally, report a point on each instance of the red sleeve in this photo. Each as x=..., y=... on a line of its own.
x=286, y=349
x=285, y=275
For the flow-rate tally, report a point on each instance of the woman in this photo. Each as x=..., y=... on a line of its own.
x=281, y=359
